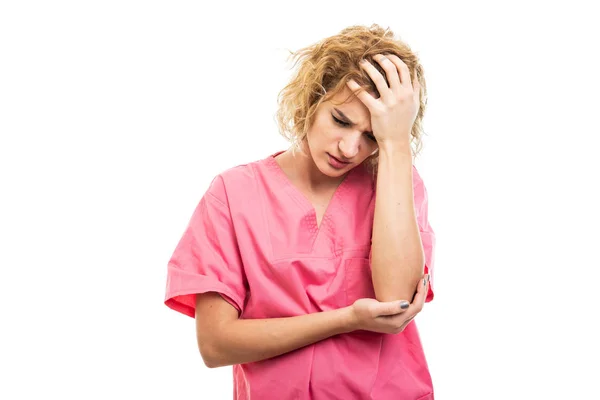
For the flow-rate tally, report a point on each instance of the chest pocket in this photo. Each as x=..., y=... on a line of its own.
x=358, y=283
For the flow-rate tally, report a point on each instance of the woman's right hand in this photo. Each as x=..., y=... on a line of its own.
x=388, y=317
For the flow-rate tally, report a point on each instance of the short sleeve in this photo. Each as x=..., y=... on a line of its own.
x=427, y=233
x=207, y=258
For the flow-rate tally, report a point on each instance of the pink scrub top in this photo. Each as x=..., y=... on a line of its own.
x=253, y=238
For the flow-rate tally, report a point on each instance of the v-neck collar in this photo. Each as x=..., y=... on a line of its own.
x=302, y=200
x=324, y=239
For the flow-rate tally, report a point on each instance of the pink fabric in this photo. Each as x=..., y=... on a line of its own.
x=253, y=238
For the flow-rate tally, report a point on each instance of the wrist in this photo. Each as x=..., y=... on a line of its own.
x=348, y=319
x=395, y=157
x=394, y=147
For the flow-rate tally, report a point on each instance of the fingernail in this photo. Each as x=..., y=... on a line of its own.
x=404, y=304
x=425, y=280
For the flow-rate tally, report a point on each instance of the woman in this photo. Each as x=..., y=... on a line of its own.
x=305, y=269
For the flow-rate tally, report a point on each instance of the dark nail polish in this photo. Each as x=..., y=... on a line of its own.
x=404, y=304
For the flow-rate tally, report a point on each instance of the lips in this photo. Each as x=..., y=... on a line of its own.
x=338, y=160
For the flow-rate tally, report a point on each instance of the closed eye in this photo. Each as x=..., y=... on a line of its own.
x=370, y=136
x=340, y=122
x=344, y=124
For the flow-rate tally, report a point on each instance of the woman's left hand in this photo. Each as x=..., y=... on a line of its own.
x=394, y=112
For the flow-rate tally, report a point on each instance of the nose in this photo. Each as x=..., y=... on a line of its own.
x=349, y=146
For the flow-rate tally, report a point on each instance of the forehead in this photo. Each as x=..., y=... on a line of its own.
x=346, y=98
x=351, y=105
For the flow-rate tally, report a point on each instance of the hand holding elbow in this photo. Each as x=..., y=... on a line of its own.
x=389, y=317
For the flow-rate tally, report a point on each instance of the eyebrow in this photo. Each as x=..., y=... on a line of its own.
x=346, y=119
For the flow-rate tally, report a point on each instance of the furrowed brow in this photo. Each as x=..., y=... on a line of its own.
x=346, y=119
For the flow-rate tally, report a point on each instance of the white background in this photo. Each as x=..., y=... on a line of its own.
x=116, y=115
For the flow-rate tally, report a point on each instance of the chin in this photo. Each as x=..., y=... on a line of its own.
x=335, y=173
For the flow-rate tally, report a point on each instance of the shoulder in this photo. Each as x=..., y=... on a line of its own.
x=232, y=180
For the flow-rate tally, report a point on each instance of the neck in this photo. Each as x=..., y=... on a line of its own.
x=300, y=168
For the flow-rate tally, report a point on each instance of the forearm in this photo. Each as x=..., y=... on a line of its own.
x=397, y=252
x=247, y=340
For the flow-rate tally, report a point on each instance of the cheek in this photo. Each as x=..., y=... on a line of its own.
x=327, y=135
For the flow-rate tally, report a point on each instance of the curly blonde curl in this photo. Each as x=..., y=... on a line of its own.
x=324, y=69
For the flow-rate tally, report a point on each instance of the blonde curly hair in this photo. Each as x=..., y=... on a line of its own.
x=324, y=69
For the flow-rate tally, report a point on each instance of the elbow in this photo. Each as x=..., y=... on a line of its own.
x=207, y=354
x=394, y=292
x=210, y=355
x=402, y=287
x=210, y=362
x=398, y=295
